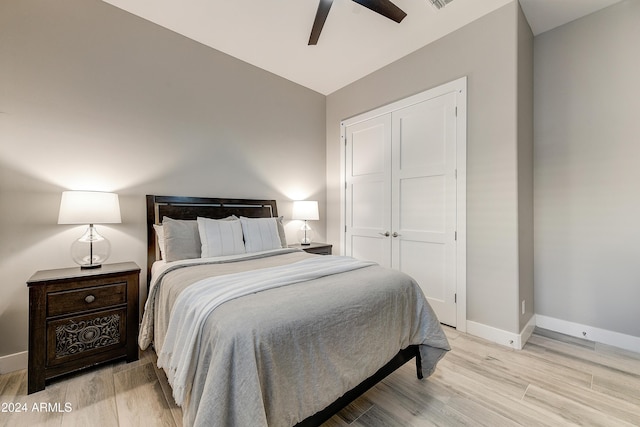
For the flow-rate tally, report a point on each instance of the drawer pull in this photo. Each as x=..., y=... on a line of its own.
x=89, y=299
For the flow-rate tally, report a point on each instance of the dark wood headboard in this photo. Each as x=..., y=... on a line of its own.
x=178, y=207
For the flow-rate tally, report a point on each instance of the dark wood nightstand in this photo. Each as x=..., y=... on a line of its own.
x=80, y=318
x=315, y=248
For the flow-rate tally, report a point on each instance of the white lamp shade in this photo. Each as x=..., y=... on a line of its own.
x=305, y=210
x=89, y=207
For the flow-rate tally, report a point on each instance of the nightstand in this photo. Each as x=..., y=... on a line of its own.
x=314, y=248
x=80, y=318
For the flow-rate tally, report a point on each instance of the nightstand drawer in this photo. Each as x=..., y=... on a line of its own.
x=84, y=299
x=72, y=338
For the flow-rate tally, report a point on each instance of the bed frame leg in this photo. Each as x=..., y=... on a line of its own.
x=418, y=363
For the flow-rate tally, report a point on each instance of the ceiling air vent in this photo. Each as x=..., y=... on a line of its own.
x=440, y=3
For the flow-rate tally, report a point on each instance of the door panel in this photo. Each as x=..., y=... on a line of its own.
x=368, y=150
x=424, y=262
x=368, y=190
x=368, y=197
x=423, y=199
x=421, y=130
x=370, y=249
x=422, y=204
x=428, y=264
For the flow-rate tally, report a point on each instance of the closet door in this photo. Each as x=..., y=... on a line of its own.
x=404, y=200
x=424, y=199
x=368, y=190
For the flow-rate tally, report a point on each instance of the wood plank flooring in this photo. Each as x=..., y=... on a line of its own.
x=554, y=381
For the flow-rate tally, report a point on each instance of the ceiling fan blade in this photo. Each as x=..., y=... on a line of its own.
x=384, y=8
x=321, y=15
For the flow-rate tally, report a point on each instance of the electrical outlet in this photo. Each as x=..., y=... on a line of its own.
x=523, y=306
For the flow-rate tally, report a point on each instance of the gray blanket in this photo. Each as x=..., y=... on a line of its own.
x=278, y=356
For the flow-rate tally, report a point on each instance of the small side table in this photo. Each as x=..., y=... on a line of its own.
x=315, y=248
x=80, y=318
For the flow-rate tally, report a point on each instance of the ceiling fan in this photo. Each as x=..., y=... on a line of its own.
x=383, y=7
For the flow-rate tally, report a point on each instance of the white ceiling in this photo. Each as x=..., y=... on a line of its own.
x=545, y=15
x=355, y=41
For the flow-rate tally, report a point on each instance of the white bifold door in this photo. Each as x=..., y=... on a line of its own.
x=400, y=195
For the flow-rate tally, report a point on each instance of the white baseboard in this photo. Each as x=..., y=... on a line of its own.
x=615, y=339
x=527, y=331
x=517, y=341
x=500, y=336
x=13, y=362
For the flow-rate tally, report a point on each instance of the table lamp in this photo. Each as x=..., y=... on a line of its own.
x=89, y=207
x=306, y=210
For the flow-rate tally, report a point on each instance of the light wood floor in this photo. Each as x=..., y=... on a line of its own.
x=554, y=381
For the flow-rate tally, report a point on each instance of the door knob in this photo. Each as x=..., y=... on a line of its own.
x=385, y=234
x=395, y=234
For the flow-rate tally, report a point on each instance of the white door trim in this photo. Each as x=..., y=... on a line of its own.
x=458, y=86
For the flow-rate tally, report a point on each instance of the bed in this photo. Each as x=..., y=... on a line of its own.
x=253, y=333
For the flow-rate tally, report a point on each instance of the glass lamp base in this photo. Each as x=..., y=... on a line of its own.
x=305, y=234
x=91, y=250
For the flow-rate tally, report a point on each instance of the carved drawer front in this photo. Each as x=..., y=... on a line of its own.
x=81, y=336
x=84, y=299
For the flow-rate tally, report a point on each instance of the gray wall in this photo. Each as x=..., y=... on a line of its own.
x=92, y=97
x=587, y=148
x=487, y=52
x=525, y=169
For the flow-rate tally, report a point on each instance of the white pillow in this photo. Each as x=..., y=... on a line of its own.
x=260, y=234
x=220, y=237
x=160, y=238
x=283, y=237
